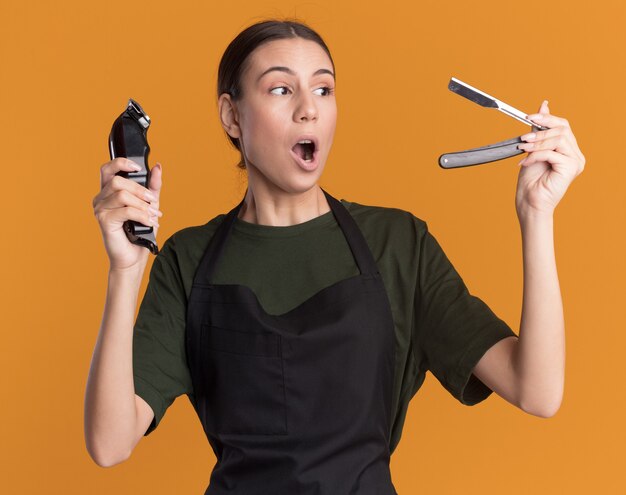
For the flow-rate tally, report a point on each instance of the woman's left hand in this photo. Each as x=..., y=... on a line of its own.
x=554, y=160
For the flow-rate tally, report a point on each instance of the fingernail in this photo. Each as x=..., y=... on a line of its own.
x=149, y=196
x=538, y=117
x=521, y=162
x=135, y=166
x=528, y=137
x=153, y=210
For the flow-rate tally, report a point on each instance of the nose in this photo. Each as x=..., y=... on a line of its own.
x=306, y=109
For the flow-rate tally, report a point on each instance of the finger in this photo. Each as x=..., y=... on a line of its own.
x=561, y=132
x=119, y=183
x=124, y=198
x=120, y=215
x=553, y=131
x=543, y=109
x=548, y=120
x=538, y=135
x=550, y=156
x=559, y=143
x=156, y=175
x=561, y=164
x=109, y=169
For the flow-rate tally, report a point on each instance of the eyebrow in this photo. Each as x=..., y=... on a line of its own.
x=289, y=71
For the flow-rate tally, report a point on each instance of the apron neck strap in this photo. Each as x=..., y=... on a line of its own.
x=354, y=237
x=356, y=241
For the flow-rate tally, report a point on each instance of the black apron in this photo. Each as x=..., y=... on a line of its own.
x=297, y=403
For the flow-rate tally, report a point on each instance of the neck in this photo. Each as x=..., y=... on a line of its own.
x=275, y=207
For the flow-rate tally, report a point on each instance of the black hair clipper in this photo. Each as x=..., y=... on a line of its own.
x=128, y=140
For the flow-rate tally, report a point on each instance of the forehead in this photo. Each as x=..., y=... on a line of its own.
x=292, y=52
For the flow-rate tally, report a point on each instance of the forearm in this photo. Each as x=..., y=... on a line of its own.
x=110, y=412
x=540, y=358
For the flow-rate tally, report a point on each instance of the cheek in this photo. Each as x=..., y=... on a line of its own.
x=266, y=123
x=272, y=130
x=266, y=133
x=332, y=124
x=330, y=112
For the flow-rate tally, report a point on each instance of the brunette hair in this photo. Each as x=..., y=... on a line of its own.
x=232, y=64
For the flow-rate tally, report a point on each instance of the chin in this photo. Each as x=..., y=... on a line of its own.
x=297, y=185
x=292, y=181
x=302, y=182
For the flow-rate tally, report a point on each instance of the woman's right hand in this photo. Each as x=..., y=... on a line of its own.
x=123, y=199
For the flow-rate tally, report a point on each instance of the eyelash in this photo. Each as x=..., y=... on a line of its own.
x=329, y=90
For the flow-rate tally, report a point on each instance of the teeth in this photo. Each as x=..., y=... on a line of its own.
x=305, y=141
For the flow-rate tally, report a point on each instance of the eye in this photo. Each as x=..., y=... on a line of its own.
x=278, y=87
x=329, y=91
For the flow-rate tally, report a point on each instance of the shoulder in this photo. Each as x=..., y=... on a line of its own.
x=385, y=221
x=196, y=234
x=185, y=247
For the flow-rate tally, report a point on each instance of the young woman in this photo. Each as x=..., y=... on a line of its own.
x=299, y=325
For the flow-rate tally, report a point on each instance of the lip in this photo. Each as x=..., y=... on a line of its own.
x=310, y=137
x=312, y=165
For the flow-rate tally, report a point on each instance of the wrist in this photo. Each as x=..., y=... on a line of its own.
x=530, y=215
x=129, y=272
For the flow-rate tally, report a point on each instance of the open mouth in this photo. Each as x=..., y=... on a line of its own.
x=304, y=149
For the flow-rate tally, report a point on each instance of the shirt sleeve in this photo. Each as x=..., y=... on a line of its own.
x=454, y=328
x=159, y=361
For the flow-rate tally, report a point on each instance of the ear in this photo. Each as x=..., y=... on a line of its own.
x=228, y=115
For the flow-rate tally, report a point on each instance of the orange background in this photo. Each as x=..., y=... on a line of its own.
x=68, y=69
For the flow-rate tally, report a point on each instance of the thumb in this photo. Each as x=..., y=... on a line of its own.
x=155, y=179
x=543, y=108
